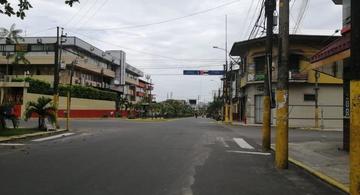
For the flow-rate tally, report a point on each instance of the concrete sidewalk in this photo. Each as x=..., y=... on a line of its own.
x=323, y=159
x=317, y=151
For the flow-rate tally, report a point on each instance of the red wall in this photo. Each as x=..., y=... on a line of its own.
x=91, y=113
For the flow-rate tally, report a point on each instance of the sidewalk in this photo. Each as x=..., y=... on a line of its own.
x=319, y=153
x=323, y=159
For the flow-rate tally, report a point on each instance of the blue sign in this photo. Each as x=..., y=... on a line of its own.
x=203, y=72
x=215, y=72
x=191, y=72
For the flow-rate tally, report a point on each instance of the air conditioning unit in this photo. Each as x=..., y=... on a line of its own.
x=62, y=65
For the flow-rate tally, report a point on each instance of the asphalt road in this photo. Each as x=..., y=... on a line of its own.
x=181, y=157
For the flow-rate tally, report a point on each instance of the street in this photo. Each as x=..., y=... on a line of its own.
x=178, y=157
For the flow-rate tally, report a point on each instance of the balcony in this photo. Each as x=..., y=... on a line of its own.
x=140, y=94
x=46, y=78
x=259, y=78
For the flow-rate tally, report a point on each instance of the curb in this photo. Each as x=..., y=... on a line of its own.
x=333, y=182
x=38, y=134
x=318, y=129
x=321, y=176
x=151, y=120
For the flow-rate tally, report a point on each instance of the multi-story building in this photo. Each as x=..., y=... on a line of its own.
x=248, y=87
x=336, y=56
x=144, y=91
x=91, y=66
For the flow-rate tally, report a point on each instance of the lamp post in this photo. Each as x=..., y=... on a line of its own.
x=228, y=86
x=148, y=78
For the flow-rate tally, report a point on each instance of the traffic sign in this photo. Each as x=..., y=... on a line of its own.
x=203, y=72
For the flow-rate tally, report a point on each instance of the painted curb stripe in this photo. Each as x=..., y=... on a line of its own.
x=52, y=137
x=246, y=152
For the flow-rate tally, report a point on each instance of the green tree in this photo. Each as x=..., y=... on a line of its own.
x=43, y=108
x=214, y=108
x=23, y=5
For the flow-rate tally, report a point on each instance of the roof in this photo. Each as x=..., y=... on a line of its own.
x=339, y=45
x=72, y=41
x=240, y=48
x=338, y=2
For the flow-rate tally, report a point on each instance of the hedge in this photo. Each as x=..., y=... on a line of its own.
x=77, y=91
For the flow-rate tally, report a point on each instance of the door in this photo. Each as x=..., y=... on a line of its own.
x=258, y=108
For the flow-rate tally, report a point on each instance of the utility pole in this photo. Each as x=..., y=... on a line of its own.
x=266, y=130
x=355, y=100
x=56, y=75
x=228, y=107
x=282, y=90
x=224, y=110
x=68, y=105
x=316, y=89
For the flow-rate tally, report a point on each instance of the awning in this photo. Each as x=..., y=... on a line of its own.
x=336, y=51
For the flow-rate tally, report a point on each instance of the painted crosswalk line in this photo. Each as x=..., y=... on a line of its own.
x=222, y=140
x=243, y=144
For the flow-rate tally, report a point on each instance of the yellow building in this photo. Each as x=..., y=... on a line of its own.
x=247, y=96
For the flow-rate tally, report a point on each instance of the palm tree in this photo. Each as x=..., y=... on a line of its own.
x=43, y=108
x=12, y=35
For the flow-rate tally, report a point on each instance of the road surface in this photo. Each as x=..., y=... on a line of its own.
x=180, y=157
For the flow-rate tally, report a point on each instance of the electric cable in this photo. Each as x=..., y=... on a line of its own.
x=165, y=21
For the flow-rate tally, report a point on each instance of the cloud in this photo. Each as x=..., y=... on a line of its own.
x=187, y=42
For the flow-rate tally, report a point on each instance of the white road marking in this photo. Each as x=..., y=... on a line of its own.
x=246, y=152
x=221, y=139
x=11, y=144
x=243, y=144
x=52, y=137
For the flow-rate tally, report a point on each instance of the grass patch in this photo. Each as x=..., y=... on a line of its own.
x=20, y=131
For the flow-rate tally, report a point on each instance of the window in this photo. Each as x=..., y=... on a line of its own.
x=309, y=97
x=294, y=63
x=259, y=65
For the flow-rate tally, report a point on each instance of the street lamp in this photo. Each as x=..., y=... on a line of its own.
x=228, y=94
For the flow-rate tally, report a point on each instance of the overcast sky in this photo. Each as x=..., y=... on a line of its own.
x=172, y=46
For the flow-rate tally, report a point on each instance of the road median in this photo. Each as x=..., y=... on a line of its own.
x=30, y=135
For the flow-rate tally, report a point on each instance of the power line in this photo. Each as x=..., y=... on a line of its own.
x=76, y=14
x=179, y=67
x=165, y=21
x=246, y=18
x=253, y=17
x=43, y=30
x=94, y=13
x=87, y=12
x=301, y=15
x=110, y=43
x=126, y=48
x=256, y=26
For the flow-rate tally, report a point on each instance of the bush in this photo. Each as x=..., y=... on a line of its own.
x=17, y=80
x=77, y=91
x=38, y=86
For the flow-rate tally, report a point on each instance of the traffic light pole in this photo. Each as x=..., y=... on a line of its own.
x=355, y=100
x=56, y=75
x=282, y=90
x=266, y=130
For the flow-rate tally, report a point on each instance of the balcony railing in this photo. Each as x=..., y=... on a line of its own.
x=293, y=76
